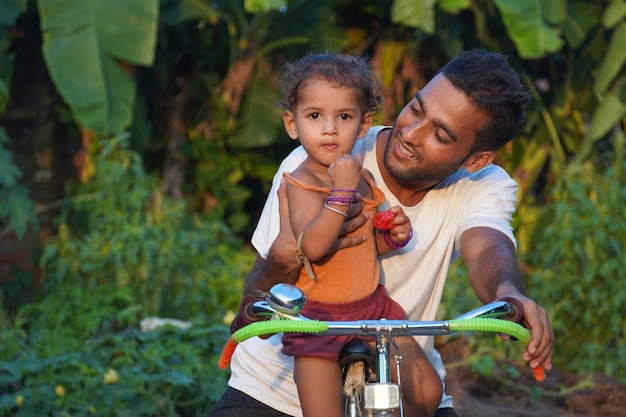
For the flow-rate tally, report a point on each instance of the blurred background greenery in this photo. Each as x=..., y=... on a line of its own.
x=137, y=144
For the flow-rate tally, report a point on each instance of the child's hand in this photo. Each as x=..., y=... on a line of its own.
x=383, y=220
x=395, y=222
x=345, y=171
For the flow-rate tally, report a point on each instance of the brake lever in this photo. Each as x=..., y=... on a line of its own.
x=506, y=308
x=517, y=309
x=496, y=309
x=264, y=310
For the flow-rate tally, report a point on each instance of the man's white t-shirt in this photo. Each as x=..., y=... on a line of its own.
x=414, y=276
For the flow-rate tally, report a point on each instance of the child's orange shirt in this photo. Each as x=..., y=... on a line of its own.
x=348, y=274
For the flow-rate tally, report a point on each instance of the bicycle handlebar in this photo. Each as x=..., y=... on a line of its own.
x=282, y=305
x=373, y=327
x=391, y=327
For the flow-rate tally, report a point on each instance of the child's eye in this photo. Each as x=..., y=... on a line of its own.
x=344, y=117
x=314, y=116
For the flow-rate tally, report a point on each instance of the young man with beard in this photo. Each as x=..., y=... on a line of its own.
x=435, y=163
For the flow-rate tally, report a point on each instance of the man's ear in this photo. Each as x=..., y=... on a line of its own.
x=289, y=120
x=479, y=160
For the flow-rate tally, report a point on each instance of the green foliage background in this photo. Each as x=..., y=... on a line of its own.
x=170, y=106
x=125, y=252
x=583, y=237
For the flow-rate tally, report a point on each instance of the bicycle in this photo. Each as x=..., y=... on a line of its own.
x=368, y=387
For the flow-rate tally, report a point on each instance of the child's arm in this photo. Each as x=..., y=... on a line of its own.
x=399, y=234
x=320, y=225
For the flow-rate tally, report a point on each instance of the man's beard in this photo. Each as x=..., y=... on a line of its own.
x=425, y=174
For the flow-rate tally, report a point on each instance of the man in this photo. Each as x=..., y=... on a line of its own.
x=436, y=163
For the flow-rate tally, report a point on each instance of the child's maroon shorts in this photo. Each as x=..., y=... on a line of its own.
x=377, y=306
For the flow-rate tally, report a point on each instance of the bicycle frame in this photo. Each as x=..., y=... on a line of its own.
x=281, y=310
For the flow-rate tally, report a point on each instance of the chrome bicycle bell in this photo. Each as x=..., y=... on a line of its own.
x=286, y=298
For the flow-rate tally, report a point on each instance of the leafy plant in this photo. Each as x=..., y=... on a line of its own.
x=573, y=269
x=83, y=51
x=17, y=211
x=124, y=252
x=577, y=258
x=80, y=352
x=122, y=231
x=15, y=205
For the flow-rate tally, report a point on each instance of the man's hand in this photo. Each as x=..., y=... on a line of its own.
x=281, y=264
x=492, y=271
x=284, y=249
x=539, y=350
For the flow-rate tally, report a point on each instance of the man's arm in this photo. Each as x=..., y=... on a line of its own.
x=493, y=273
x=281, y=264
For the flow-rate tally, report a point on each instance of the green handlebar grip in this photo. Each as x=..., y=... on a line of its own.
x=491, y=325
x=499, y=326
x=276, y=326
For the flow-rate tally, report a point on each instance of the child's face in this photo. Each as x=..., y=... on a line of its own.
x=327, y=120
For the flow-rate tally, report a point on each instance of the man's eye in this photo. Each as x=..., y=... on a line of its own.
x=439, y=137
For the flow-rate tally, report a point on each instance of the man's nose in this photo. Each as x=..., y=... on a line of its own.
x=413, y=132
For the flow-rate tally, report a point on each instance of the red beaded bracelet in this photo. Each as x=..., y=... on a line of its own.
x=393, y=244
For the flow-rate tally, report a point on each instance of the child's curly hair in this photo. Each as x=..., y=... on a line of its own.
x=342, y=70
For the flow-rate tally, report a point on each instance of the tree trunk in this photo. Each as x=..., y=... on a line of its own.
x=176, y=98
x=42, y=146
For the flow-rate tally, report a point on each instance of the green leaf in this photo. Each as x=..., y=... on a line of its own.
x=7, y=402
x=415, y=13
x=83, y=41
x=124, y=29
x=454, y=6
x=9, y=173
x=260, y=120
x=14, y=202
x=615, y=12
x=608, y=113
x=259, y=6
x=18, y=207
x=578, y=24
x=527, y=24
x=10, y=10
x=613, y=60
x=554, y=11
x=176, y=12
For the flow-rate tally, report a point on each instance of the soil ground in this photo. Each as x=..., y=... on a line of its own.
x=560, y=395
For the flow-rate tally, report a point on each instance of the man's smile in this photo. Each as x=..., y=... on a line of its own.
x=402, y=148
